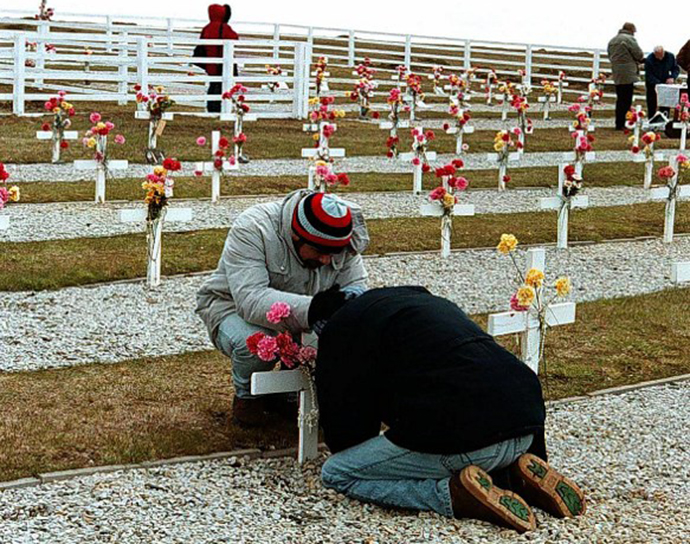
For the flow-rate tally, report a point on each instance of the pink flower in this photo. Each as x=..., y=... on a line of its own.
x=681, y=158
x=437, y=194
x=267, y=348
x=95, y=117
x=278, y=312
x=461, y=184
x=119, y=139
x=253, y=342
x=109, y=125
x=61, y=93
x=288, y=350
x=515, y=305
x=307, y=355
x=232, y=160
x=201, y=141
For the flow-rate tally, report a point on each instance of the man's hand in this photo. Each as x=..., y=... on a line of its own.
x=670, y=81
x=325, y=304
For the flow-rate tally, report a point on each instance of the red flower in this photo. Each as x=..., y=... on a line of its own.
x=430, y=135
x=343, y=179
x=64, y=144
x=426, y=168
x=506, y=137
x=458, y=163
x=253, y=342
x=446, y=126
x=220, y=153
x=240, y=138
x=635, y=149
x=218, y=163
x=223, y=142
x=375, y=114
x=506, y=179
x=172, y=164
x=45, y=126
x=437, y=194
x=569, y=170
x=519, y=145
x=389, y=154
x=353, y=96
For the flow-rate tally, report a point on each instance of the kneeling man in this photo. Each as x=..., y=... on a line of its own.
x=459, y=409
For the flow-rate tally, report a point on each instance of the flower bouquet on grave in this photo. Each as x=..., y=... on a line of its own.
x=582, y=121
x=531, y=294
x=420, y=145
x=62, y=112
x=526, y=86
x=96, y=138
x=44, y=12
x=320, y=75
x=321, y=127
x=633, y=122
x=415, y=95
x=156, y=103
x=489, y=84
x=446, y=195
x=505, y=142
x=649, y=139
x=594, y=94
x=363, y=92
x=583, y=145
x=283, y=351
x=683, y=109
x=461, y=117
x=394, y=100
x=325, y=178
x=550, y=94
x=239, y=107
x=437, y=77
x=273, y=86
x=520, y=105
x=674, y=177
x=221, y=156
x=7, y=194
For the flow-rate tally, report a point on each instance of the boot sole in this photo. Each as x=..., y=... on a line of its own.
x=506, y=506
x=552, y=492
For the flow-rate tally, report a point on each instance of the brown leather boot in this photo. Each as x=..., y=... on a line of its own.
x=249, y=412
x=546, y=488
x=474, y=496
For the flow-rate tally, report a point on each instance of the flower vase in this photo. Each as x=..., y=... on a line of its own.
x=446, y=231
x=154, y=238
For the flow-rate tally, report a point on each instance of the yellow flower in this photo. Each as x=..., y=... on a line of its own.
x=159, y=89
x=320, y=163
x=315, y=137
x=160, y=171
x=100, y=126
x=91, y=143
x=525, y=296
x=56, y=110
x=313, y=101
x=534, y=278
x=13, y=193
x=66, y=106
x=507, y=243
x=563, y=286
x=498, y=146
x=448, y=201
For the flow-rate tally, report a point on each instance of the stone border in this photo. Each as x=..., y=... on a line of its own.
x=255, y=453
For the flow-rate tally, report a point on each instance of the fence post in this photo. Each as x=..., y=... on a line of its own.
x=109, y=33
x=19, y=74
x=300, y=105
x=123, y=69
x=276, y=41
x=408, y=51
x=528, y=65
x=41, y=51
x=228, y=72
x=351, y=48
x=596, y=63
x=310, y=43
x=169, y=33
x=143, y=64
x=467, y=56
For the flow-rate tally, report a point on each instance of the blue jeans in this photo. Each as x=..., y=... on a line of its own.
x=380, y=472
x=232, y=338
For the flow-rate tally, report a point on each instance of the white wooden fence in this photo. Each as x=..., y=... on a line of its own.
x=174, y=38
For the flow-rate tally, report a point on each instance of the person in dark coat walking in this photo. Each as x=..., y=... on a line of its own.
x=659, y=67
x=217, y=29
x=459, y=409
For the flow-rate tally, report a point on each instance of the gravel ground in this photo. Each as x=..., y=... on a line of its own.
x=284, y=167
x=637, y=485
x=35, y=222
x=111, y=322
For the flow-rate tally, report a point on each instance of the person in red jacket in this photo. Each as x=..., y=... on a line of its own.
x=217, y=29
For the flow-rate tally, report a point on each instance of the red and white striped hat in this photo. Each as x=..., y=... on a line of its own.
x=323, y=221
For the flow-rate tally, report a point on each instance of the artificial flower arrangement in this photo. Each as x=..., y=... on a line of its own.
x=461, y=117
x=155, y=101
x=363, y=92
x=325, y=178
x=159, y=188
x=320, y=75
x=239, y=107
x=437, y=79
x=321, y=127
x=521, y=106
x=414, y=92
x=96, y=138
x=571, y=184
x=549, y=89
x=489, y=84
x=505, y=143
x=44, y=12
x=595, y=92
x=62, y=112
x=7, y=194
x=633, y=122
x=395, y=101
x=674, y=177
x=401, y=72
x=273, y=86
x=683, y=109
x=221, y=156
x=446, y=193
x=648, y=139
x=582, y=121
x=420, y=144
x=531, y=294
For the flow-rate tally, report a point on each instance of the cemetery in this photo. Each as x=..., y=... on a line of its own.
x=120, y=191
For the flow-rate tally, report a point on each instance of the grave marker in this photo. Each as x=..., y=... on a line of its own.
x=217, y=166
x=57, y=140
x=564, y=200
x=680, y=272
x=671, y=192
x=419, y=157
x=103, y=169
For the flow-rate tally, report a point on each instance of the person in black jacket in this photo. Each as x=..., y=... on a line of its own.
x=659, y=67
x=458, y=409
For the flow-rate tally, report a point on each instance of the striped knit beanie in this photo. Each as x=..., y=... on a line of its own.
x=323, y=221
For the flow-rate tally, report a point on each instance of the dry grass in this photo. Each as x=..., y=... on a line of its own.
x=157, y=408
x=82, y=261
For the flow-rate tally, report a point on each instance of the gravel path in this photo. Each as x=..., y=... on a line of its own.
x=298, y=167
x=36, y=222
x=111, y=322
x=637, y=485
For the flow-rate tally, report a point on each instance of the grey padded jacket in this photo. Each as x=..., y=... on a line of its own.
x=625, y=56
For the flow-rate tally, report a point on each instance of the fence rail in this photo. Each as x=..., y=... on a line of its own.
x=116, y=58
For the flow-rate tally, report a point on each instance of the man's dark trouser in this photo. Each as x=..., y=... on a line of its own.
x=624, y=98
x=651, y=101
x=213, y=106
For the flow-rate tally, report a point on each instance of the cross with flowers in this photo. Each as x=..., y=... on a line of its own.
x=550, y=96
x=673, y=175
x=504, y=144
x=239, y=114
x=400, y=76
x=298, y=361
x=10, y=194
x=569, y=185
x=363, y=90
x=56, y=131
x=462, y=118
x=683, y=119
x=223, y=161
x=648, y=155
x=322, y=177
x=633, y=121
x=506, y=90
x=419, y=157
x=520, y=104
x=490, y=85
x=96, y=138
x=152, y=105
x=533, y=307
x=561, y=83
x=159, y=190
x=582, y=139
x=322, y=128
x=415, y=95
x=395, y=101
x=321, y=75
x=594, y=93
x=443, y=202
x=277, y=84
x=436, y=76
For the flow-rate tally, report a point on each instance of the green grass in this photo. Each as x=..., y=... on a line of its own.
x=81, y=261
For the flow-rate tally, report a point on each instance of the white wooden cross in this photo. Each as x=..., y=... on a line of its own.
x=649, y=164
x=154, y=131
x=153, y=270
x=323, y=151
x=238, y=128
x=636, y=128
x=293, y=381
x=4, y=222
x=503, y=167
x=210, y=167
x=393, y=127
x=459, y=133
x=527, y=323
x=435, y=209
x=559, y=86
x=101, y=172
x=680, y=272
x=563, y=205
x=670, y=193
x=49, y=135
x=572, y=156
x=547, y=100
x=323, y=86
x=505, y=105
x=683, y=133
x=417, y=171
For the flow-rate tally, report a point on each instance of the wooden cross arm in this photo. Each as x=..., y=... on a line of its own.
x=661, y=193
x=512, y=157
x=314, y=151
x=514, y=322
x=48, y=135
x=181, y=215
x=680, y=272
x=283, y=381
x=554, y=202
x=4, y=222
x=92, y=164
x=233, y=117
x=570, y=156
x=435, y=209
x=146, y=115
x=430, y=155
x=641, y=157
